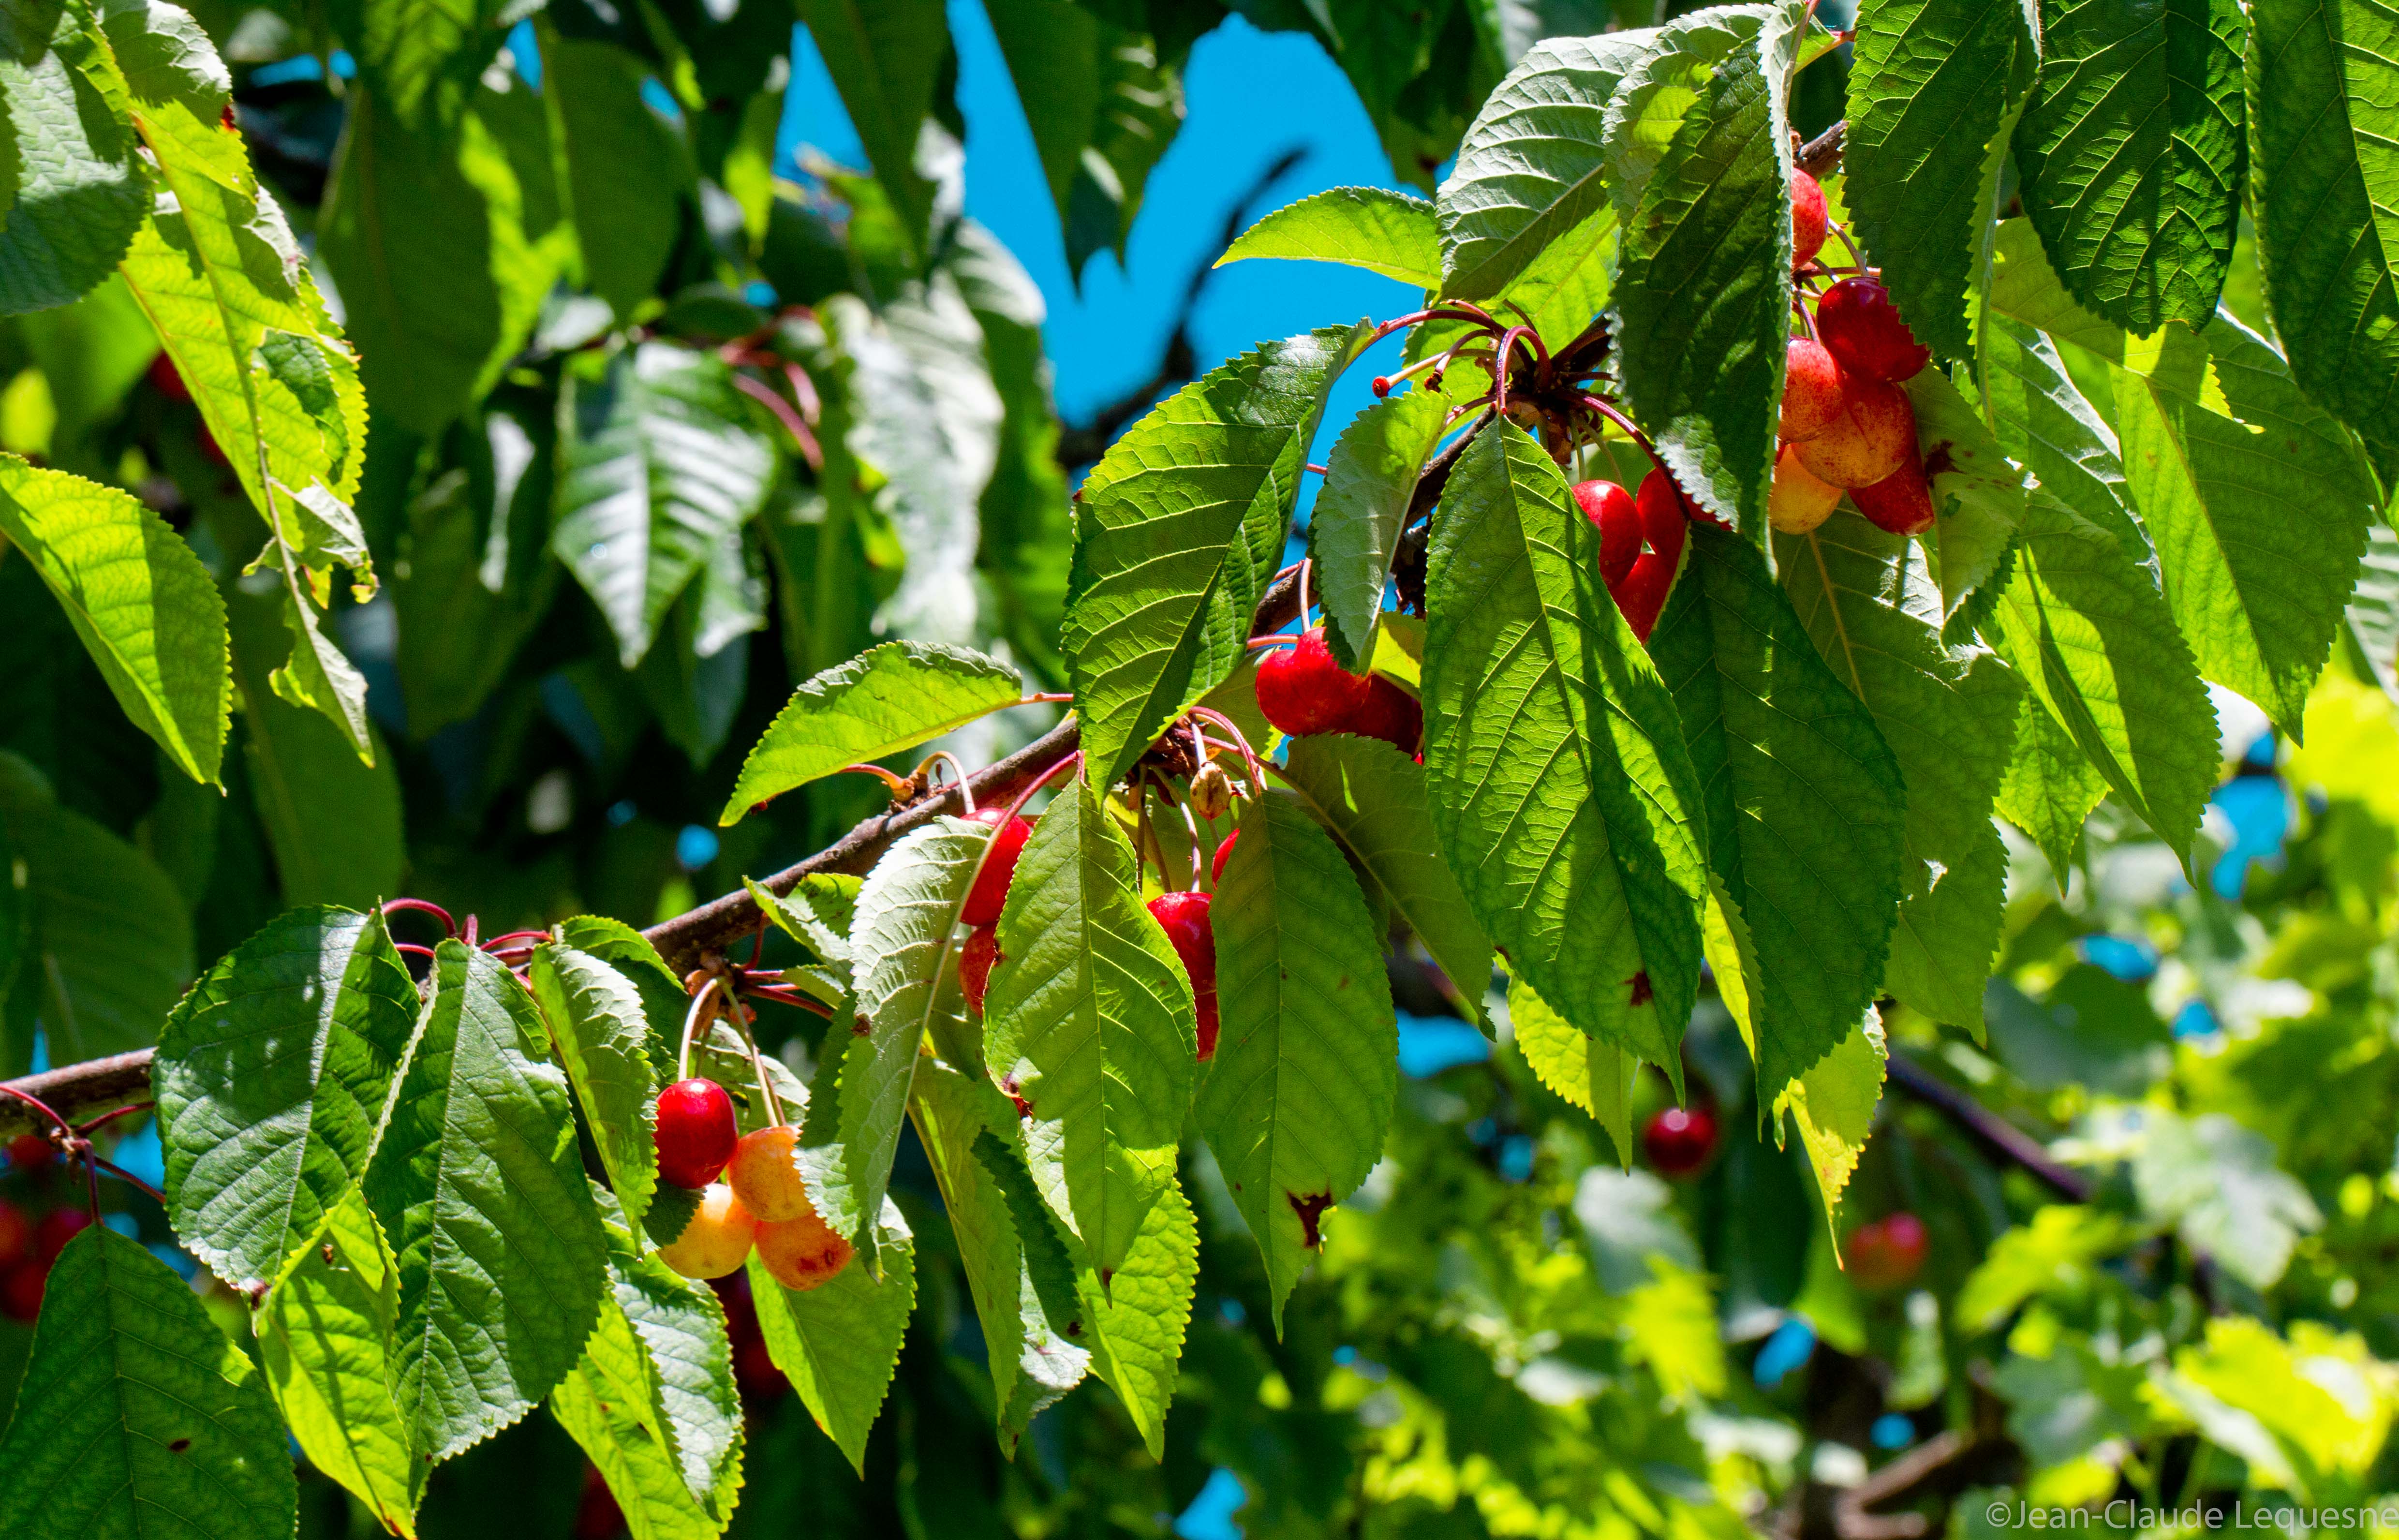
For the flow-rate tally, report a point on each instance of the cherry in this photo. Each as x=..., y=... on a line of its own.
x=1874, y=432
x=1679, y=1141
x=166, y=379
x=1183, y=916
x=717, y=1240
x=15, y=1234
x=1392, y=714
x=21, y=1290
x=1886, y=1253
x=597, y=1514
x=1858, y=321
x=1665, y=524
x=28, y=1151
x=54, y=1229
x=803, y=1252
x=989, y=894
x=695, y=1132
x=1902, y=502
x=975, y=960
x=1798, y=502
x=764, y=1177
x=1612, y=512
x=1811, y=390
x=1303, y=688
x=1224, y=853
x=1810, y=221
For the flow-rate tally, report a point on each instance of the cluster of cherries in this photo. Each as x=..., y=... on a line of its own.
x=29, y=1245
x=1641, y=537
x=762, y=1203
x=1846, y=426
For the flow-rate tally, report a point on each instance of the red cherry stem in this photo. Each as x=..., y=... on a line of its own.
x=783, y=995
x=1856, y=256
x=121, y=1174
x=757, y=1060
x=1249, y=755
x=530, y=938
x=1620, y=420
x=410, y=949
x=68, y=1143
x=785, y=414
x=107, y=1117
x=420, y=906
x=1454, y=310
x=691, y=1020
x=1807, y=317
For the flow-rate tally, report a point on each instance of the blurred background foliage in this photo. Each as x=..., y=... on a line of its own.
x=2158, y=1205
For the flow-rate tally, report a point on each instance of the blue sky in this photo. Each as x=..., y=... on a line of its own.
x=1239, y=90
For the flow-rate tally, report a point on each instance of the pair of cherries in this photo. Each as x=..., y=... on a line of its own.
x=1184, y=918
x=1641, y=537
x=762, y=1203
x=1844, y=424
x=1303, y=690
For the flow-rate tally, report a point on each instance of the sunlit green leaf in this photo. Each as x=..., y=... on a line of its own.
x=1369, y=484
x=1375, y=228
x=840, y=1341
x=603, y=1035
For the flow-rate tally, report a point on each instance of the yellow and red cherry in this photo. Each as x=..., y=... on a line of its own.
x=1611, y=511
x=1874, y=432
x=1902, y=502
x=1184, y=918
x=717, y=1240
x=803, y=1252
x=1857, y=320
x=695, y=1134
x=1798, y=501
x=1679, y=1141
x=975, y=961
x=1811, y=390
x=989, y=894
x=1810, y=220
x=764, y=1176
x=1303, y=688
x=1886, y=1253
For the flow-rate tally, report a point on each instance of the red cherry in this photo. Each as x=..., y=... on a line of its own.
x=1874, y=432
x=54, y=1229
x=1858, y=321
x=1679, y=1141
x=1811, y=390
x=1665, y=526
x=1611, y=510
x=166, y=379
x=695, y=1132
x=1809, y=218
x=1902, y=502
x=15, y=1234
x=597, y=1515
x=1392, y=714
x=30, y=1151
x=21, y=1290
x=1798, y=502
x=208, y=448
x=1224, y=852
x=1183, y=916
x=1303, y=688
x=975, y=960
x=1886, y=1253
x=990, y=891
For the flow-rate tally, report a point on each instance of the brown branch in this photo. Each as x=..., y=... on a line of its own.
x=1820, y=155
x=1995, y=1134
x=685, y=939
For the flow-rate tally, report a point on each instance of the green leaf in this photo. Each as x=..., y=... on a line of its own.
x=1089, y=1024
x=886, y=699
x=1141, y=109
x=1561, y=791
x=819, y=913
x=2051, y=786
x=1591, y=1073
x=907, y=984
x=2258, y=503
x=2374, y=608
x=658, y=467
x=1382, y=231
x=2217, y=1184
x=1833, y=1106
x=1950, y=714
x=1307, y=1065
x=1531, y=168
x=1978, y=493
x=1179, y=528
x=2102, y=656
x=332, y=821
x=81, y=194
x=136, y=1412
x=2322, y=113
x=1054, y=53
x=602, y=1037
x=840, y=1341
x=884, y=56
x=271, y=1078
x=424, y=232
x=1033, y=1358
x=2131, y=154
x=1806, y=810
x=652, y=1401
x=1133, y=1317
x=80, y=882
x=324, y=1339
x=1702, y=300
x=627, y=169
x=145, y=608
x=1934, y=89
x=424, y=55
x=478, y=1183
x=1374, y=800
x=1369, y=482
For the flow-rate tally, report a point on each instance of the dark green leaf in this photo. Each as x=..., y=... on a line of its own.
x=1369, y=483
x=840, y=1341
x=2051, y=787
x=884, y=56
x=626, y=168
x=81, y=193
x=602, y=1037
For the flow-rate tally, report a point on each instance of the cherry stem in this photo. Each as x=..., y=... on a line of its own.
x=690, y=1024
x=758, y=946
x=1280, y=639
x=1807, y=319
x=421, y=906
x=410, y=949
x=958, y=772
x=898, y=784
x=59, y=1126
x=757, y=1061
x=1509, y=338
x=1304, y=564
x=1620, y=420
x=784, y=995
x=530, y=938
x=1047, y=699
x=469, y=936
x=1189, y=822
x=983, y=857
x=121, y=1174
x=1456, y=310
x=1319, y=469
x=126, y=1111
x=1856, y=256
x=786, y=414
x=1249, y=755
